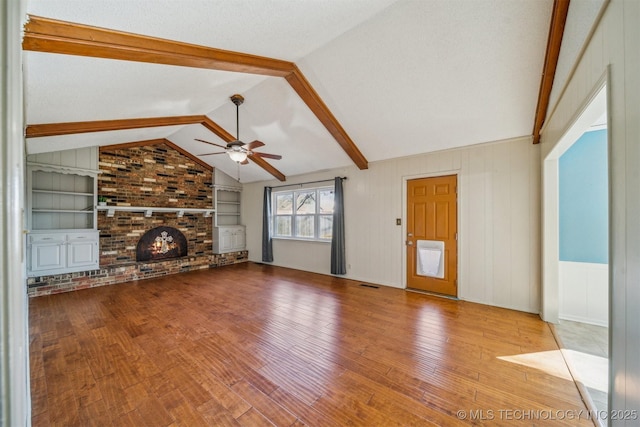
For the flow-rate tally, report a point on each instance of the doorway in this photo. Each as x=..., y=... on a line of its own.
x=576, y=283
x=431, y=235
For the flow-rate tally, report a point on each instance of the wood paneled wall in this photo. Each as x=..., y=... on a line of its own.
x=499, y=225
x=83, y=158
x=615, y=45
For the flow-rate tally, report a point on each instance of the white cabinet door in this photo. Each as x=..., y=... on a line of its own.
x=239, y=239
x=57, y=253
x=48, y=257
x=226, y=240
x=231, y=238
x=82, y=250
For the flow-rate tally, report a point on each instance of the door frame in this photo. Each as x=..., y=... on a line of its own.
x=589, y=111
x=405, y=179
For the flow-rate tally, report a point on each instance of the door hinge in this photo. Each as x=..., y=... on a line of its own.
x=456, y=236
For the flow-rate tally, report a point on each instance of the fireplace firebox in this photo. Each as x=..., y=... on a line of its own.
x=161, y=243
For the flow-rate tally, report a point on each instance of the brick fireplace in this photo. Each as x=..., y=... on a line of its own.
x=156, y=174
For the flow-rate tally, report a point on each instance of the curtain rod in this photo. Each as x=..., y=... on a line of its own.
x=308, y=182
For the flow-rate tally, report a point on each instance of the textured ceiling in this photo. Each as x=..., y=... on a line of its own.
x=402, y=77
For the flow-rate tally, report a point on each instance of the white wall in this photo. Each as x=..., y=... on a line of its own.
x=499, y=227
x=222, y=179
x=615, y=45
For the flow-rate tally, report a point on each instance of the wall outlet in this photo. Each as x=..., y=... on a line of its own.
x=398, y=221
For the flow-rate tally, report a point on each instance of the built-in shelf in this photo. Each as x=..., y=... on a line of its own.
x=61, y=193
x=227, y=205
x=81, y=211
x=149, y=210
x=61, y=218
x=61, y=197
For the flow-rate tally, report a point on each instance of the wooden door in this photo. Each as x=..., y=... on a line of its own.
x=432, y=215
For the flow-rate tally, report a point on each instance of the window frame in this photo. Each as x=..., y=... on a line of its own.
x=317, y=215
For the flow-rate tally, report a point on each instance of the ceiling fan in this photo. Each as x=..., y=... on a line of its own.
x=237, y=150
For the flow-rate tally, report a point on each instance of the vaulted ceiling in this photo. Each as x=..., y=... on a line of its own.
x=363, y=80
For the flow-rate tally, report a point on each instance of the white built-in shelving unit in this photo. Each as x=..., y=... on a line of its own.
x=229, y=234
x=61, y=198
x=62, y=235
x=227, y=205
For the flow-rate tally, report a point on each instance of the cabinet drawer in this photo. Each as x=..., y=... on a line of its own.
x=47, y=238
x=82, y=237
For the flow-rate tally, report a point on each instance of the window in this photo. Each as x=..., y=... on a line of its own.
x=303, y=214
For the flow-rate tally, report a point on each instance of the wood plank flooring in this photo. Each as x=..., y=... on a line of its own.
x=253, y=345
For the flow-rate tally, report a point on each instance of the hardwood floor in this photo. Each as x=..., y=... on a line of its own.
x=251, y=345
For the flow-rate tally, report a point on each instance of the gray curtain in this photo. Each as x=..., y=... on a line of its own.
x=267, y=246
x=338, y=261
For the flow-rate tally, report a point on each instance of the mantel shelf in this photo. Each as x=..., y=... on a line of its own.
x=149, y=210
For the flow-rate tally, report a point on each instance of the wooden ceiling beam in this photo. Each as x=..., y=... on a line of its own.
x=217, y=129
x=554, y=42
x=301, y=85
x=54, y=36
x=268, y=167
x=69, y=128
x=57, y=129
x=227, y=137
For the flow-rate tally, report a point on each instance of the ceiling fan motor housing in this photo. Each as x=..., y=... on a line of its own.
x=237, y=150
x=234, y=145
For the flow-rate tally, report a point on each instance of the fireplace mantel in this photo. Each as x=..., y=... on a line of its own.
x=149, y=210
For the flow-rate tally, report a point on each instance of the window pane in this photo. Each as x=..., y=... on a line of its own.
x=326, y=227
x=284, y=204
x=305, y=226
x=283, y=226
x=326, y=201
x=306, y=202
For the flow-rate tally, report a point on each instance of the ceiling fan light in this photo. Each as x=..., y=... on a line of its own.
x=237, y=156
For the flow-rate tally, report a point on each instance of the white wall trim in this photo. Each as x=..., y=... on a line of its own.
x=14, y=339
x=584, y=295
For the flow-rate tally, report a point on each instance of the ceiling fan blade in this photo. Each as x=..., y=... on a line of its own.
x=210, y=154
x=211, y=143
x=244, y=162
x=254, y=144
x=267, y=155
